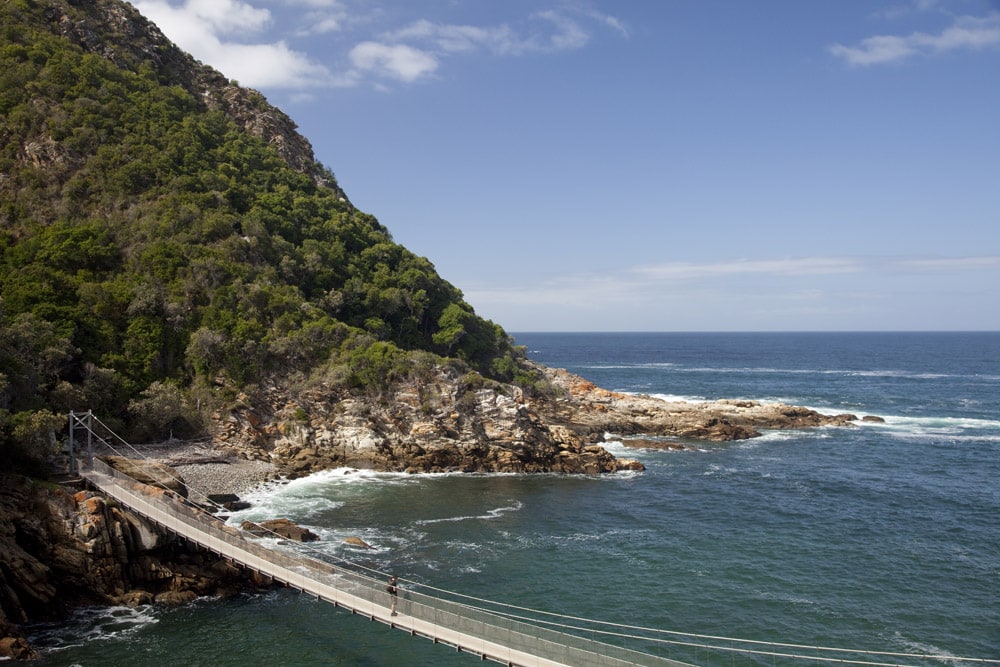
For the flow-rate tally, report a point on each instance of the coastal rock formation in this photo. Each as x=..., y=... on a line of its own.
x=439, y=426
x=595, y=411
x=60, y=550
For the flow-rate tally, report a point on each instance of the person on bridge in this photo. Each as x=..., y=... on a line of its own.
x=393, y=589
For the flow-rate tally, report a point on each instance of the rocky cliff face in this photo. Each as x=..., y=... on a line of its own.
x=437, y=426
x=60, y=549
x=434, y=426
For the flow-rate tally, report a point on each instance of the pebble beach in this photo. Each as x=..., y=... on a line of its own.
x=208, y=471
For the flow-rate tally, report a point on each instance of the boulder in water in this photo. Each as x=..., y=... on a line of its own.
x=281, y=528
x=357, y=542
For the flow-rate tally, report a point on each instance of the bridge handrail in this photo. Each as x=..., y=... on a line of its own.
x=502, y=617
x=367, y=594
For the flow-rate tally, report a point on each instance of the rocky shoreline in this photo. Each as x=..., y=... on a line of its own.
x=61, y=547
x=441, y=426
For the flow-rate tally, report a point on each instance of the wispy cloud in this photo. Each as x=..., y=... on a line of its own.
x=965, y=33
x=542, y=32
x=229, y=35
x=419, y=47
x=809, y=266
x=773, y=280
x=950, y=263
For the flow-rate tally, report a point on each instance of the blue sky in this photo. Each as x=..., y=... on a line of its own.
x=603, y=165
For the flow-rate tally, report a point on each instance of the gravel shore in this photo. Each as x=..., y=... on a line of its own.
x=207, y=471
x=237, y=476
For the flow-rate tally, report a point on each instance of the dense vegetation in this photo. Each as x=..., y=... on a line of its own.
x=156, y=255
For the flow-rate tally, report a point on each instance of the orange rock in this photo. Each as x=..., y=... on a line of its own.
x=94, y=505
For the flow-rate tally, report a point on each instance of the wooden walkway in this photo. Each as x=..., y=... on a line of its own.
x=489, y=635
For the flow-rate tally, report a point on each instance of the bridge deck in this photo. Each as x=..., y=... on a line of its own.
x=484, y=633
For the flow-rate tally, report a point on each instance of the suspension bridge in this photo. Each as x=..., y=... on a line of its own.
x=502, y=633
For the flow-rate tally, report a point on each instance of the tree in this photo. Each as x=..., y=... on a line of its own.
x=451, y=327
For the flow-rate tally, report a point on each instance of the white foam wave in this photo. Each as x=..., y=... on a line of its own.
x=785, y=436
x=783, y=597
x=947, y=427
x=623, y=474
x=310, y=495
x=91, y=624
x=303, y=500
x=622, y=451
x=675, y=398
x=334, y=540
x=626, y=366
x=924, y=648
x=495, y=513
x=845, y=372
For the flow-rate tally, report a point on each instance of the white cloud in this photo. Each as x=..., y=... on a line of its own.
x=966, y=32
x=458, y=38
x=547, y=32
x=321, y=4
x=267, y=65
x=396, y=61
x=322, y=17
x=199, y=17
x=198, y=27
x=394, y=56
x=568, y=33
x=221, y=33
x=609, y=21
x=321, y=24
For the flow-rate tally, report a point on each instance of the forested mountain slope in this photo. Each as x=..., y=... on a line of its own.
x=167, y=238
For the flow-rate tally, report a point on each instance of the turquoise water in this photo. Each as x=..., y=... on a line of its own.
x=882, y=537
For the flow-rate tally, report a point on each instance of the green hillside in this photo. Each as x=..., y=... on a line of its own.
x=166, y=239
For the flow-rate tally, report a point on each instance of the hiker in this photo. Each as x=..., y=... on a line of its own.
x=393, y=589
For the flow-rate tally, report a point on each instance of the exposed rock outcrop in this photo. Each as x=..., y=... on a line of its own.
x=438, y=426
x=595, y=411
x=60, y=550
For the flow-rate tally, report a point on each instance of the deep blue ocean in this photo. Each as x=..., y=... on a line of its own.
x=883, y=536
